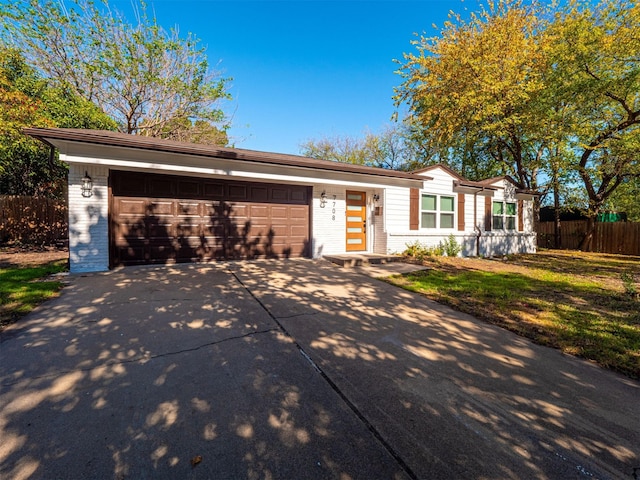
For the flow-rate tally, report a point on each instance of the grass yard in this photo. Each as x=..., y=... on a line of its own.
x=22, y=288
x=585, y=304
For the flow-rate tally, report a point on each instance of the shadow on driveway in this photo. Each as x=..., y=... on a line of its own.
x=194, y=371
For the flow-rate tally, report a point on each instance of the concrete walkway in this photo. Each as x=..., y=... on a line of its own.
x=294, y=369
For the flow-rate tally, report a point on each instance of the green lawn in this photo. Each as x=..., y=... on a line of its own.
x=581, y=303
x=23, y=288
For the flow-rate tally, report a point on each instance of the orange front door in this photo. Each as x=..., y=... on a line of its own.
x=356, y=221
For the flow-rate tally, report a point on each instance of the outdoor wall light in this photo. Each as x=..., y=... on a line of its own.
x=323, y=199
x=376, y=197
x=87, y=185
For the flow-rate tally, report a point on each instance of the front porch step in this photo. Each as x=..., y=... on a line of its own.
x=358, y=260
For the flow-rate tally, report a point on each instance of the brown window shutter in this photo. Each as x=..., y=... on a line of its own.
x=414, y=209
x=520, y=215
x=461, y=211
x=487, y=214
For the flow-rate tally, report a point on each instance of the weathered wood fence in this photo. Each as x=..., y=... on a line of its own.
x=617, y=237
x=32, y=220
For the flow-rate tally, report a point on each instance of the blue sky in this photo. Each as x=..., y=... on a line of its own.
x=304, y=69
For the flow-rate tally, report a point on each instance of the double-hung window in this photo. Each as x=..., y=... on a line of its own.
x=437, y=211
x=504, y=216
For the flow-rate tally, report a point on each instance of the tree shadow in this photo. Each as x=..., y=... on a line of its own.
x=134, y=373
x=203, y=231
x=469, y=399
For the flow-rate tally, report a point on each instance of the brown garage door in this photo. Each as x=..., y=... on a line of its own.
x=164, y=219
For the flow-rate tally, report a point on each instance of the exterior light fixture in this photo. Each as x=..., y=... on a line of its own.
x=323, y=199
x=87, y=185
x=376, y=197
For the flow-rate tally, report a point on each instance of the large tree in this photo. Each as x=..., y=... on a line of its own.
x=538, y=89
x=27, y=167
x=596, y=58
x=477, y=88
x=151, y=81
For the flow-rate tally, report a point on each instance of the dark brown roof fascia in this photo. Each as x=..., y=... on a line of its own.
x=117, y=139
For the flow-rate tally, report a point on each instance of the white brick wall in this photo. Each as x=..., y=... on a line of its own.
x=88, y=220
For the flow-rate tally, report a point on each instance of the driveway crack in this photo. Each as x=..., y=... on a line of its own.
x=193, y=349
x=352, y=406
x=145, y=358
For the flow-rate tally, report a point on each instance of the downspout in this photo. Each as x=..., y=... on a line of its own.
x=52, y=156
x=475, y=220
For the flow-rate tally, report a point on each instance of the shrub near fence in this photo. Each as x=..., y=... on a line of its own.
x=32, y=220
x=621, y=238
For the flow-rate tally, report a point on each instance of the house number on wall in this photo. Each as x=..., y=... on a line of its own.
x=333, y=209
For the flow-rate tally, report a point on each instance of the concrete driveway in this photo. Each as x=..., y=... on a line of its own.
x=295, y=369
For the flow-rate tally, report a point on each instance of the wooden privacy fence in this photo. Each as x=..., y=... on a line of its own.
x=32, y=220
x=617, y=237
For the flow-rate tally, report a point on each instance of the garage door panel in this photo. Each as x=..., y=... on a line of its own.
x=134, y=206
x=132, y=228
x=161, y=186
x=279, y=212
x=280, y=231
x=299, y=212
x=238, y=192
x=237, y=210
x=161, y=253
x=186, y=230
x=234, y=221
x=213, y=190
x=156, y=229
x=214, y=231
x=188, y=188
x=259, y=194
x=215, y=209
x=279, y=194
x=188, y=209
x=131, y=184
x=298, y=231
x=159, y=208
x=299, y=195
x=189, y=249
x=259, y=212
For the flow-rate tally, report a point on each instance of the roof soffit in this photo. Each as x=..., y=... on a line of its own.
x=64, y=138
x=172, y=163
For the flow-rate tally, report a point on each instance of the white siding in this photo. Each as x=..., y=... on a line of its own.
x=398, y=233
x=88, y=220
x=397, y=217
x=502, y=242
x=396, y=210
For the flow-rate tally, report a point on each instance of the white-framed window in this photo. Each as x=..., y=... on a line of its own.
x=437, y=211
x=504, y=215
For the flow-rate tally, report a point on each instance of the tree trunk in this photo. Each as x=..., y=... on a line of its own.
x=557, y=238
x=585, y=244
